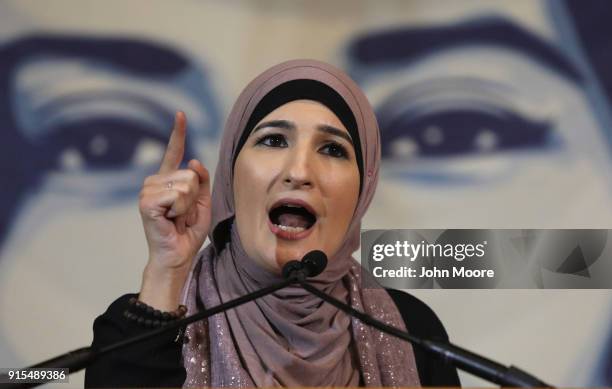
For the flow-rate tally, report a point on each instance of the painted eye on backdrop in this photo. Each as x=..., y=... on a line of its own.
x=105, y=145
x=461, y=132
x=103, y=159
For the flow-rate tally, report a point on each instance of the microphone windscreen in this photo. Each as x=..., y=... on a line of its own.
x=291, y=267
x=314, y=262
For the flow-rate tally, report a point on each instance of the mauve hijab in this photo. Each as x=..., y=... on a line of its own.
x=291, y=338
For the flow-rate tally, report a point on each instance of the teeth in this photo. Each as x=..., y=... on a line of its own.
x=290, y=229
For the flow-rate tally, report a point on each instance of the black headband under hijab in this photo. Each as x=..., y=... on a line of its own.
x=309, y=90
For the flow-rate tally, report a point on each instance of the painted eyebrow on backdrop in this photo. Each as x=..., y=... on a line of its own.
x=288, y=125
x=401, y=45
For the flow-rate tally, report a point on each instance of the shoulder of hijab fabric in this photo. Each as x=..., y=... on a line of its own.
x=422, y=321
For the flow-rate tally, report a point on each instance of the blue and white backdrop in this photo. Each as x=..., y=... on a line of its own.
x=494, y=114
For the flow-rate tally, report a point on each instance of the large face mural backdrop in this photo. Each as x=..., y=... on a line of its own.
x=492, y=116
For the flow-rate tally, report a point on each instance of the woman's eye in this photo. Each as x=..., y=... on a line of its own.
x=335, y=150
x=274, y=140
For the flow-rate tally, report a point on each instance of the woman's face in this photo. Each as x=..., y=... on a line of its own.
x=296, y=184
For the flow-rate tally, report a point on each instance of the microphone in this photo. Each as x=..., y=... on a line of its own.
x=315, y=261
x=311, y=265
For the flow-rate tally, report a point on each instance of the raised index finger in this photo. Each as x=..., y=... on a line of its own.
x=176, y=145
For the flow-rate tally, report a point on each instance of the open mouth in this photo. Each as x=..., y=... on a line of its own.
x=292, y=218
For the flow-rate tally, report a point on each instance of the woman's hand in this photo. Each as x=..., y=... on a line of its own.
x=175, y=209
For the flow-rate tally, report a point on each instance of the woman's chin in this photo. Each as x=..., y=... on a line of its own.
x=280, y=251
x=286, y=253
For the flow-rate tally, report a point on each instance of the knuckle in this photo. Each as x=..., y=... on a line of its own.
x=149, y=180
x=193, y=189
x=182, y=188
x=143, y=195
x=144, y=205
x=194, y=178
x=148, y=213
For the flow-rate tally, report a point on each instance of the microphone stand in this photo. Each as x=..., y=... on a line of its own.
x=79, y=359
x=297, y=272
x=459, y=357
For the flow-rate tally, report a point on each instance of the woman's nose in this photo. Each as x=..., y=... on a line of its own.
x=298, y=172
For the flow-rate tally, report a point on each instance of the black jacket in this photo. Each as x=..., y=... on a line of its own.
x=157, y=363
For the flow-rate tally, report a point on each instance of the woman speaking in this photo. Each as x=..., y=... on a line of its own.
x=298, y=167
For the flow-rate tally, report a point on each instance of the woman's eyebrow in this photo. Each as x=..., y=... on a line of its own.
x=334, y=131
x=287, y=125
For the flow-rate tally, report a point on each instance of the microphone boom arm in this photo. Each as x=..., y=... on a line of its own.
x=79, y=359
x=459, y=357
x=297, y=272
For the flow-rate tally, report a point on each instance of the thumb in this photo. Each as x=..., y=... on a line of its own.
x=203, y=177
x=203, y=201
